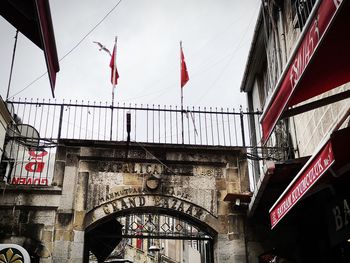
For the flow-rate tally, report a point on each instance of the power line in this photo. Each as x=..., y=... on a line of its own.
x=70, y=51
x=207, y=65
x=230, y=58
x=73, y=48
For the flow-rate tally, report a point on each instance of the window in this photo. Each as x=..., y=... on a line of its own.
x=139, y=241
x=301, y=11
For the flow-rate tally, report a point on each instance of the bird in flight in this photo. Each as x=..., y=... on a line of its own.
x=102, y=47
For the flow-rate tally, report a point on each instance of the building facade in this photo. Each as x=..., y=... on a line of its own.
x=72, y=193
x=297, y=75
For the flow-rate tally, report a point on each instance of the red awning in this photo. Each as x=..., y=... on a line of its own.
x=321, y=61
x=33, y=19
x=48, y=40
x=332, y=153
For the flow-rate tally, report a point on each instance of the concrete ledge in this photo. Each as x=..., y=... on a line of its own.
x=32, y=189
x=47, y=201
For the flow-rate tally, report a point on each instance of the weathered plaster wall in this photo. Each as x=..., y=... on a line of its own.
x=27, y=218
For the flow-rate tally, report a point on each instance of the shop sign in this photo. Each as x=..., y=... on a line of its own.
x=338, y=214
x=33, y=168
x=290, y=78
x=309, y=174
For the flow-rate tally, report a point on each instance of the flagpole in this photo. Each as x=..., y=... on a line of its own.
x=12, y=62
x=182, y=115
x=113, y=85
x=182, y=98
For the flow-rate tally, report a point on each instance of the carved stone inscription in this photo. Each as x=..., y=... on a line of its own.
x=144, y=168
x=134, y=191
x=158, y=169
x=153, y=201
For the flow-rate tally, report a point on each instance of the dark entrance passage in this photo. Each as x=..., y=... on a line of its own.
x=149, y=237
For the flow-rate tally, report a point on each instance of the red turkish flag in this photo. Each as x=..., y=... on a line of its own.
x=113, y=65
x=184, y=73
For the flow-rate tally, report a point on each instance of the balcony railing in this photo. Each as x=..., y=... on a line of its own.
x=40, y=125
x=145, y=123
x=302, y=9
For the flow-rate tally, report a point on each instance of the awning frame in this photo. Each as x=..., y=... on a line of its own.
x=336, y=125
x=33, y=19
x=291, y=60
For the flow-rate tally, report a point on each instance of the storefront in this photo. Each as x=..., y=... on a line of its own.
x=300, y=207
x=317, y=203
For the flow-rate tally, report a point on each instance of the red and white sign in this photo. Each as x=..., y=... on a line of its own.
x=309, y=175
x=36, y=168
x=297, y=65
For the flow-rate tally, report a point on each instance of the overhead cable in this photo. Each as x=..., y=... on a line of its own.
x=73, y=48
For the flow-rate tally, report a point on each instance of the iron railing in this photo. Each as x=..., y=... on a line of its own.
x=160, y=226
x=39, y=125
x=303, y=9
x=146, y=123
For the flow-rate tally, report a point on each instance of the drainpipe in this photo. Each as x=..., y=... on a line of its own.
x=245, y=240
x=277, y=45
x=266, y=38
x=283, y=34
x=275, y=35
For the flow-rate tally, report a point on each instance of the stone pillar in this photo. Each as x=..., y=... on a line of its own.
x=79, y=215
x=65, y=236
x=229, y=246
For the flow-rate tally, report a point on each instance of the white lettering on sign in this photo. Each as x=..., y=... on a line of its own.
x=284, y=95
x=322, y=161
x=337, y=3
x=310, y=177
x=341, y=215
x=305, y=53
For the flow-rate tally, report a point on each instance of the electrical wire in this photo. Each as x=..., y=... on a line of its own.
x=73, y=48
x=229, y=60
x=207, y=65
x=155, y=157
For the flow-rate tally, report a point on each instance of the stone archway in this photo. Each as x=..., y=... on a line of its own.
x=194, y=182
x=120, y=225
x=169, y=204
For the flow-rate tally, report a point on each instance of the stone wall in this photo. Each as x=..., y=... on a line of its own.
x=93, y=182
x=312, y=126
x=27, y=218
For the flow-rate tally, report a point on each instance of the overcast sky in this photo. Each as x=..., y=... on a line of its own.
x=216, y=36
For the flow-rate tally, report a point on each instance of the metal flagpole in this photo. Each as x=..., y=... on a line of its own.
x=182, y=114
x=12, y=62
x=182, y=96
x=113, y=83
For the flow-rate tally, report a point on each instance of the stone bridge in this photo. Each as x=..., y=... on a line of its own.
x=94, y=183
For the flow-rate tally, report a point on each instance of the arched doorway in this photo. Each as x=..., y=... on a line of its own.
x=149, y=235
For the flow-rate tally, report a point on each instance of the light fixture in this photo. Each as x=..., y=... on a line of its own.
x=154, y=248
x=238, y=202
